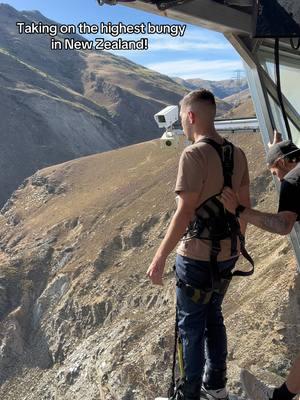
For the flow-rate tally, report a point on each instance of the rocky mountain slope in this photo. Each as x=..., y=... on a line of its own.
x=242, y=105
x=60, y=105
x=79, y=319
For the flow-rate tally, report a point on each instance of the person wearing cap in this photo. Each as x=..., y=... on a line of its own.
x=283, y=160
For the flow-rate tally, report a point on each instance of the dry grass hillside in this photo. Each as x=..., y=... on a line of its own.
x=60, y=105
x=79, y=319
x=242, y=105
x=221, y=89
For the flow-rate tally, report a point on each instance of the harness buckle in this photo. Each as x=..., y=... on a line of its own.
x=198, y=296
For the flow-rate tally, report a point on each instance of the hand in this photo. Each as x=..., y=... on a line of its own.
x=277, y=138
x=229, y=200
x=156, y=270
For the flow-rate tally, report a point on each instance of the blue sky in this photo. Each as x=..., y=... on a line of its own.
x=200, y=53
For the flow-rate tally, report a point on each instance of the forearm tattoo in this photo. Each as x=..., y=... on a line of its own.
x=274, y=223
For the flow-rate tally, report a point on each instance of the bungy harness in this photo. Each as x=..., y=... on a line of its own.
x=213, y=223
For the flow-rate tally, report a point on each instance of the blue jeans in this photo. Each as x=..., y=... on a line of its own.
x=201, y=326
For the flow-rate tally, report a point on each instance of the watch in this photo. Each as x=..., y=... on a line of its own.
x=239, y=210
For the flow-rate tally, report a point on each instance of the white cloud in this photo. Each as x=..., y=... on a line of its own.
x=194, y=39
x=157, y=46
x=195, y=45
x=185, y=45
x=191, y=68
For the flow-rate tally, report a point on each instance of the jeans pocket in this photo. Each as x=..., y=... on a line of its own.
x=193, y=272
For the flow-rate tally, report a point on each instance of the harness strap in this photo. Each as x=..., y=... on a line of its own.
x=225, y=152
x=197, y=295
x=248, y=258
x=203, y=296
x=233, y=244
x=234, y=233
x=227, y=158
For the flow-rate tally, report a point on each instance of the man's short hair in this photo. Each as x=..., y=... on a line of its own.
x=197, y=96
x=283, y=150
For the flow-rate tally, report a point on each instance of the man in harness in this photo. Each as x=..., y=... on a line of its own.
x=209, y=249
x=284, y=162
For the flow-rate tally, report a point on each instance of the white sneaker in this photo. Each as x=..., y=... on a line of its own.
x=219, y=394
x=254, y=388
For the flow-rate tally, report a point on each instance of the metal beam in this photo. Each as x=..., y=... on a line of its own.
x=205, y=13
x=258, y=93
x=286, y=51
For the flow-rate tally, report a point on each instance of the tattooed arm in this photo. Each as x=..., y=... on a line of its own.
x=280, y=223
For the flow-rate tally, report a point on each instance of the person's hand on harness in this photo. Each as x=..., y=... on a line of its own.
x=156, y=270
x=229, y=200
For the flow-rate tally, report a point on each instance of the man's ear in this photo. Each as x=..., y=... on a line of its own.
x=192, y=117
x=282, y=163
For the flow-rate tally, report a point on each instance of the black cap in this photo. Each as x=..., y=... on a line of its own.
x=281, y=150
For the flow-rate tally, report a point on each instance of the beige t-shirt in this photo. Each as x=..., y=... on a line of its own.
x=200, y=170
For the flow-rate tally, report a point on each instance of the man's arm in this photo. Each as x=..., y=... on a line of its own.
x=187, y=205
x=244, y=200
x=281, y=223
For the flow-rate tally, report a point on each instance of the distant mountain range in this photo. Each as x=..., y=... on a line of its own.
x=233, y=92
x=221, y=89
x=60, y=105
x=242, y=105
